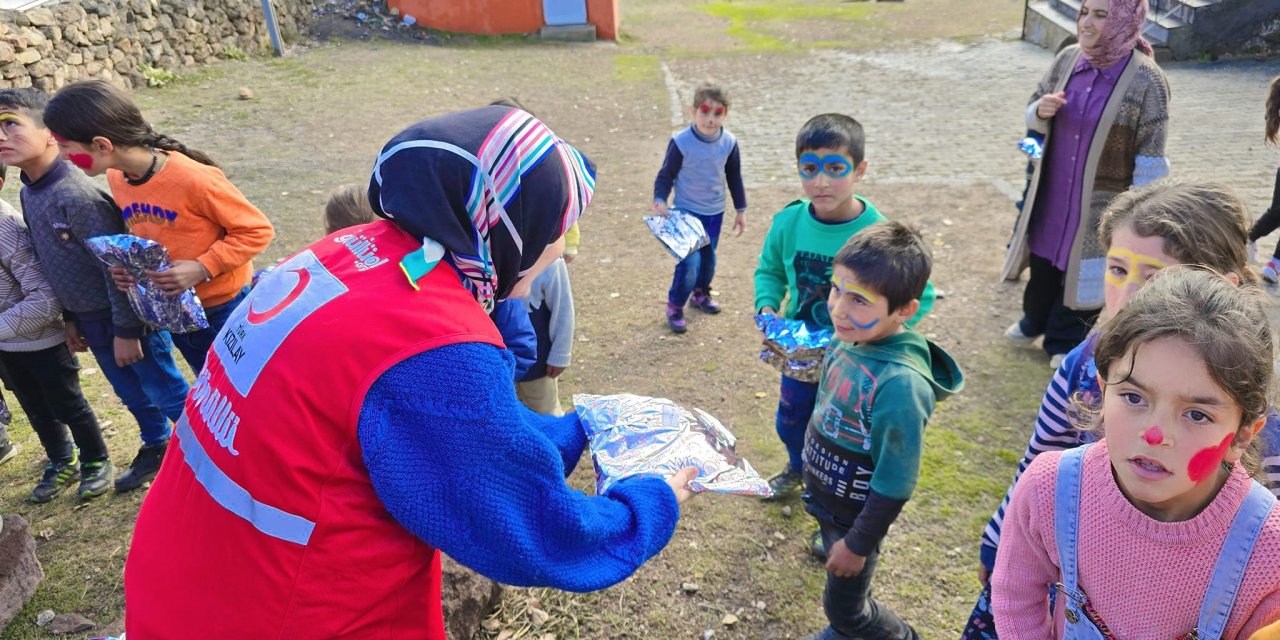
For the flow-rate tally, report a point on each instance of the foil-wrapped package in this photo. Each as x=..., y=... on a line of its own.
x=793, y=347
x=180, y=314
x=681, y=233
x=633, y=435
x=1031, y=147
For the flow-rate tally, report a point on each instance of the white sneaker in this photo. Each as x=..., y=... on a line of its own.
x=1271, y=272
x=1014, y=333
x=1056, y=359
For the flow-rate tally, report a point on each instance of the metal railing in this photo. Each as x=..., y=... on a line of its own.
x=1154, y=8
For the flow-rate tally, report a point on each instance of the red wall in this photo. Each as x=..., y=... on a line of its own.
x=500, y=16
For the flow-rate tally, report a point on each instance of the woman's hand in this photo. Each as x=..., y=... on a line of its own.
x=660, y=208
x=121, y=277
x=984, y=575
x=739, y=224
x=679, y=483
x=1049, y=104
x=183, y=275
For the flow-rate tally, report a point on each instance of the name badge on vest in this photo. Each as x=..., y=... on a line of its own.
x=286, y=297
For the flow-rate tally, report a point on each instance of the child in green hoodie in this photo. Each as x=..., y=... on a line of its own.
x=880, y=381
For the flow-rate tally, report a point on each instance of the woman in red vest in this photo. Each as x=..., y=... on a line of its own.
x=357, y=412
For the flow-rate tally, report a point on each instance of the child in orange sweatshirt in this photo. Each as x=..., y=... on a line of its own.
x=167, y=193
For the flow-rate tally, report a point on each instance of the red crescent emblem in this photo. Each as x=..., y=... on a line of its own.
x=259, y=317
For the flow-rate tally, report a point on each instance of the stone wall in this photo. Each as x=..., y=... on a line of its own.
x=117, y=40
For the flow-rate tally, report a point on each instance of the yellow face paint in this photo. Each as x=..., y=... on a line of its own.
x=849, y=287
x=11, y=117
x=1131, y=262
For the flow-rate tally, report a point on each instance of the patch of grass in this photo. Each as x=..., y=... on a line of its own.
x=157, y=77
x=234, y=52
x=636, y=68
x=749, y=22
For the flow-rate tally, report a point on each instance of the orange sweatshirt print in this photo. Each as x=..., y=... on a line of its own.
x=197, y=214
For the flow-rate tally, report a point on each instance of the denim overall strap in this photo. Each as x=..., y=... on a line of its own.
x=1066, y=512
x=1066, y=533
x=1232, y=562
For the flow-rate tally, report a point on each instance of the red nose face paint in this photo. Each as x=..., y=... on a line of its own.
x=1154, y=436
x=1207, y=459
x=82, y=160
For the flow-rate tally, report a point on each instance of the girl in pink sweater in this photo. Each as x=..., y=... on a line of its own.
x=1157, y=530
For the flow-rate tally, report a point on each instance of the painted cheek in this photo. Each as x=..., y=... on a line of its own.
x=82, y=160
x=1154, y=436
x=864, y=327
x=1206, y=460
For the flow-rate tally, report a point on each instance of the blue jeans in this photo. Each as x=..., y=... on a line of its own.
x=795, y=405
x=152, y=388
x=194, y=346
x=696, y=271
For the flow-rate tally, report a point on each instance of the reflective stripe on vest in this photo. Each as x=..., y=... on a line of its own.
x=235, y=498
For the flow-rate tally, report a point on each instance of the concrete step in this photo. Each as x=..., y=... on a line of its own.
x=1046, y=26
x=569, y=33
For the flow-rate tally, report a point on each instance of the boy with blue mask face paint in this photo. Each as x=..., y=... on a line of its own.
x=795, y=263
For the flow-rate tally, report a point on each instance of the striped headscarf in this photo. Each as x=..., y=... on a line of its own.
x=487, y=190
x=1125, y=20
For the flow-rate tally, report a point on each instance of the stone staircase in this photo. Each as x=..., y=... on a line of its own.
x=1177, y=29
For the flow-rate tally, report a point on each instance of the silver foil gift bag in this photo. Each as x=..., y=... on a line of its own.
x=681, y=233
x=180, y=314
x=632, y=435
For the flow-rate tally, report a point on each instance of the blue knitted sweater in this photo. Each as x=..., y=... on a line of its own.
x=458, y=461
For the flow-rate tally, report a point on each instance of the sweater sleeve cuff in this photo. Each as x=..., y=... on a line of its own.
x=68, y=316
x=210, y=264
x=987, y=554
x=873, y=522
x=130, y=332
x=1034, y=122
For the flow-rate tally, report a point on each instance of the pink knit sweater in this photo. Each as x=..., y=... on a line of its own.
x=1145, y=577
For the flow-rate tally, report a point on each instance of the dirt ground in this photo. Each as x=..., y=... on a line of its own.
x=317, y=120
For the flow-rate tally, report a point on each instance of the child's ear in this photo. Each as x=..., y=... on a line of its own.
x=101, y=145
x=1233, y=278
x=908, y=310
x=860, y=171
x=1244, y=438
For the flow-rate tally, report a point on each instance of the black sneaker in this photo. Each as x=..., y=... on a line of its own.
x=784, y=484
x=817, y=546
x=57, y=476
x=95, y=478
x=144, y=467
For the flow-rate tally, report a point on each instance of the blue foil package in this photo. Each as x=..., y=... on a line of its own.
x=179, y=314
x=793, y=347
x=631, y=435
x=681, y=233
x=1031, y=147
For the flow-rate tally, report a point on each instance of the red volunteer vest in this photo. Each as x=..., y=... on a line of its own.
x=262, y=522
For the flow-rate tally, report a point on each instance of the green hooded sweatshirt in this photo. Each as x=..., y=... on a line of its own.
x=866, y=435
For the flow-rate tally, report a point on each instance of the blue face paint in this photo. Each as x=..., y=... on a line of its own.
x=835, y=166
x=864, y=327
